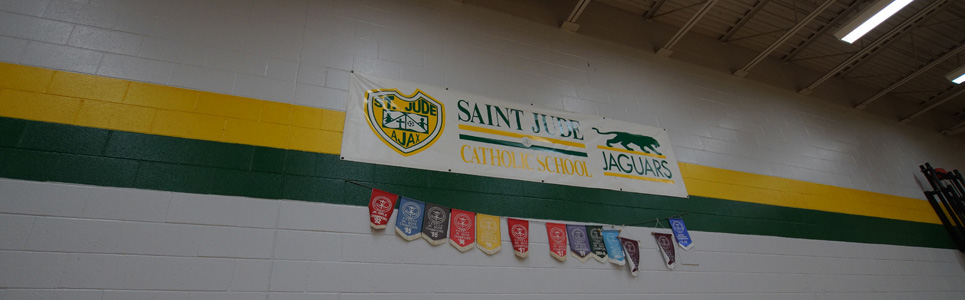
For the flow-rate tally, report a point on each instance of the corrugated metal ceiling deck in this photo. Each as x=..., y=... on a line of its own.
x=737, y=23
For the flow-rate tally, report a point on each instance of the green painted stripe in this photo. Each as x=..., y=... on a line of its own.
x=519, y=145
x=42, y=151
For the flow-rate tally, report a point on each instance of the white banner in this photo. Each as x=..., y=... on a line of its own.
x=426, y=127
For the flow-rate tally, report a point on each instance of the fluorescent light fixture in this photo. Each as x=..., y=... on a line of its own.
x=957, y=76
x=869, y=18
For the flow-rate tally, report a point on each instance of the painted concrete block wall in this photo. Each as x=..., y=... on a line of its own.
x=86, y=242
x=64, y=241
x=302, y=52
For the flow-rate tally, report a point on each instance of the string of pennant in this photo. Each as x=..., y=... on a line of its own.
x=655, y=220
x=466, y=230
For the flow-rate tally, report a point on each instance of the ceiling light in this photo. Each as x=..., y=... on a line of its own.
x=957, y=76
x=869, y=18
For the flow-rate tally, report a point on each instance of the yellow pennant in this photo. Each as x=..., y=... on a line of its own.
x=487, y=233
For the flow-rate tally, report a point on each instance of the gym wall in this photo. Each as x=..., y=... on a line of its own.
x=189, y=149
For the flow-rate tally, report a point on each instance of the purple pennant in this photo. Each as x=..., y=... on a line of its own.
x=631, y=248
x=665, y=243
x=579, y=241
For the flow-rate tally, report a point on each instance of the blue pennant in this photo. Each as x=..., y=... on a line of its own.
x=611, y=239
x=408, y=222
x=680, y=233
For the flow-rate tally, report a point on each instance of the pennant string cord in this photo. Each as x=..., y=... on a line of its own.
x=656, y=220
x=358, y=184
x=573, y=201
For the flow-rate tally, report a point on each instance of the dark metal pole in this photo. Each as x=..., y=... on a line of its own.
x=952, y=230
x=947, y=203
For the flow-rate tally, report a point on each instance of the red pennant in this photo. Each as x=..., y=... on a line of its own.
x=665, y=244
x=462, y=229
x=381, y=205
x=557, y=239
x=519, y=234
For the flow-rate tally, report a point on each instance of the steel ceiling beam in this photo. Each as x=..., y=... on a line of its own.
x=960, y=90
x=570, y=23
x=824, y=56
x=814, y=37
x=675, y=10
x=759, y=34
x=954, y=129
x=877, y=44
x=943, y=22
x=932, y=64
x=653, y=9
x=666, y=51
x=578, y=10
x=887, y=45
x=744, y=19
x=787, y=35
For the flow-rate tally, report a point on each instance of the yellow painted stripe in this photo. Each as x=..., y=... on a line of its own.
x=93, y=101
x=520, y=135
x=746, y=187
x=630, y=151
x=637, y=177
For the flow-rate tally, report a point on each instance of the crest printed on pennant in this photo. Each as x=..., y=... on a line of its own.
x=462, y=229
x=381, y=205
x=631, y=248
x=519, y=235
x=408, y=222
x=665, y=244
x=681, y=234
x=614, y=250
x=406, y=123
x=597, y=246
x=579, y=242
x=435, y=224
x=488, y=236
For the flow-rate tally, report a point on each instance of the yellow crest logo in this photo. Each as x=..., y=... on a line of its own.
x=406, y=123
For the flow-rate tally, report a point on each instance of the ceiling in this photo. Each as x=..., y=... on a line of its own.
x=902, y=62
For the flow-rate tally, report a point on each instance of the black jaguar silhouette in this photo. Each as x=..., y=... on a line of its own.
x=626, y=139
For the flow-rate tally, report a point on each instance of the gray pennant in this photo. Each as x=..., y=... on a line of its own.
x=435, y=224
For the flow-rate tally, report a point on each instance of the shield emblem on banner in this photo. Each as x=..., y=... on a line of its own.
x=406, y=123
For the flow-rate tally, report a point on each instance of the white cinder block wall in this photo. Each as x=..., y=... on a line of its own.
x=60, y=241
x=81, y=242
